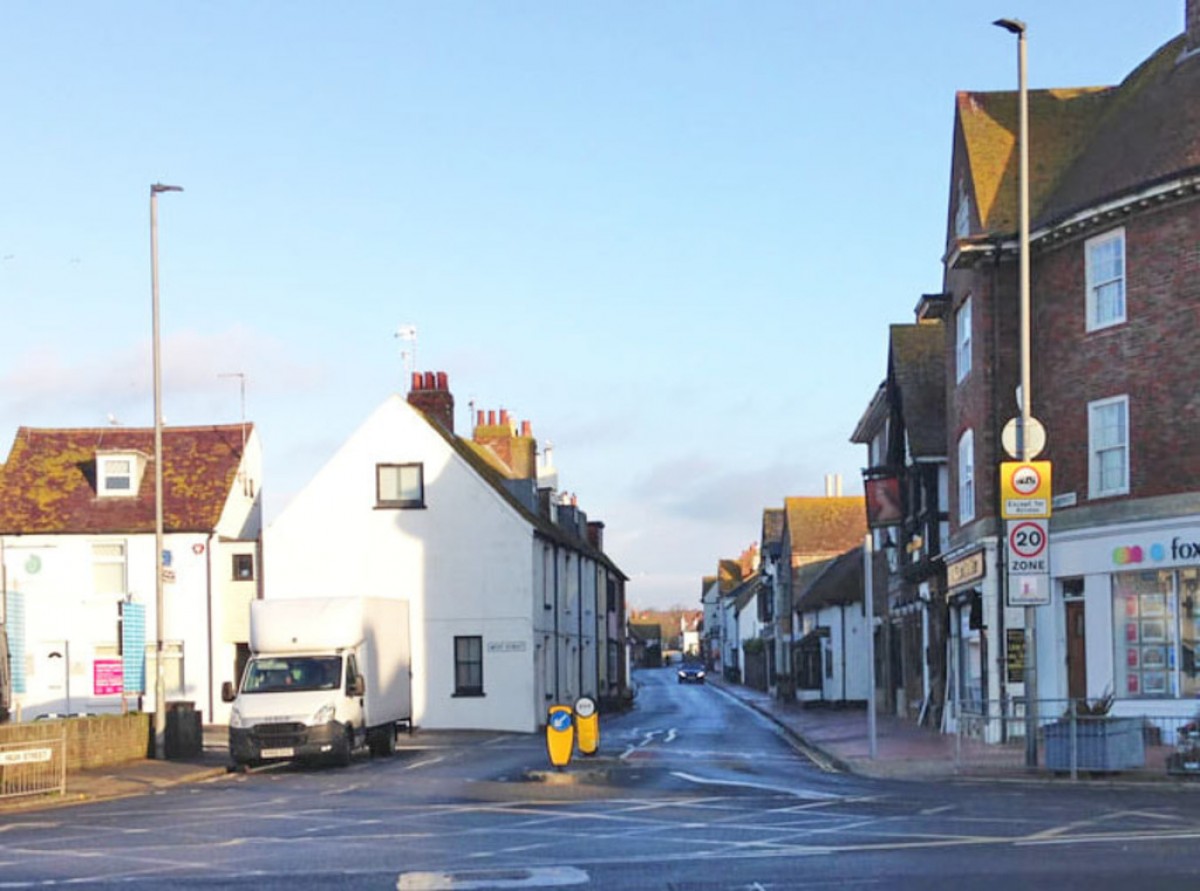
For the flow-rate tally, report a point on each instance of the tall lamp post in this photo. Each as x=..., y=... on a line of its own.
x=1024, y=452
x=160, y=684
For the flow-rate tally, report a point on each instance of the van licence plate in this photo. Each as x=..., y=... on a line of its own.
x=278, y=753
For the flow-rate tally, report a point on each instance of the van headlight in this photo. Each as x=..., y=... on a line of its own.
x=235, y=719
x=323, y=715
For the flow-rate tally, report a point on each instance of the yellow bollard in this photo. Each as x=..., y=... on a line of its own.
x=560, y=735
x=587, y=726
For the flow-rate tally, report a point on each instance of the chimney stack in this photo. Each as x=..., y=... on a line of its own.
x=431, y=394
x=595, y=534
x=517, y=451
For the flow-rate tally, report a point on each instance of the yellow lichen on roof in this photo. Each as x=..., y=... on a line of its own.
x=824, y=527
x=1060, y=121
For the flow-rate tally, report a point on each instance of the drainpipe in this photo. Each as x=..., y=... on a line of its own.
x=208, y=585
x=556, y=641
x=843, y=609
x=579, y=599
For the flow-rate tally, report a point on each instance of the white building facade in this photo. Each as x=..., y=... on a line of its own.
x=512, y=608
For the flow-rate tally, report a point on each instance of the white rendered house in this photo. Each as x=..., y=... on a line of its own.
x=77, y=566
x=513, y=605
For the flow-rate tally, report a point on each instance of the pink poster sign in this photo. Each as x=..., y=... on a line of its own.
x=108, y=677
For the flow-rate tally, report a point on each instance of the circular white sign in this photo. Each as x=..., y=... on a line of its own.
x=585, y=707
x=1037, y=439
x=1027, y=540
x=1026, y=479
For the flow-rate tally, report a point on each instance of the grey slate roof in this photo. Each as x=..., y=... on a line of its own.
x=917, y=376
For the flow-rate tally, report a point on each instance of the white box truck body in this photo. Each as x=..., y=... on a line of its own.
x=326, y=675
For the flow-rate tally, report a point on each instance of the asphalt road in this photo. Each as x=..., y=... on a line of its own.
x=691, y=790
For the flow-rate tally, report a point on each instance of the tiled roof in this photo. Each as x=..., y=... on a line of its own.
x=729, y=574
x=483, y=463
x=825, y=526
x=1086, y=146
x=1149, y=133
x=839, y=582
x=772, y=530
x=48, y=484
x=917, y=372
x=1059, y=123
x=745, y=592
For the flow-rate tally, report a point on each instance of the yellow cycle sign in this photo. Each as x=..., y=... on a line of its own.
x=1025, y=491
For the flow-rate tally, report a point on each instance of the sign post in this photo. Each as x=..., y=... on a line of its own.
x=1025, y=501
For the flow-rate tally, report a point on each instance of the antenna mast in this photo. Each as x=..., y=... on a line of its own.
x=408, y=349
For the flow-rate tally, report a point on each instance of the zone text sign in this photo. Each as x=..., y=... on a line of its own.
x=1024, y=490
x=1027, y=547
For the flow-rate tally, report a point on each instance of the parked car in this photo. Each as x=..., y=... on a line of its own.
x=691, y=674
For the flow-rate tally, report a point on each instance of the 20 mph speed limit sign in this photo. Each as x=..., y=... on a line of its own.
x=1027, y=541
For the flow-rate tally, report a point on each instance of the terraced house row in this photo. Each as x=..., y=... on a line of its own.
x=1115, y=295
x=514, y=604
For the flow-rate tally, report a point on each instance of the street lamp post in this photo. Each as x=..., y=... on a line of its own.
x=1016, y=26
x=160, y=684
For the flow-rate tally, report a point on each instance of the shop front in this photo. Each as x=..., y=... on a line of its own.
x=973, y=604
x=1127, y=613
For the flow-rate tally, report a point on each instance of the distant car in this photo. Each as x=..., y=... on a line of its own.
x=691, y=674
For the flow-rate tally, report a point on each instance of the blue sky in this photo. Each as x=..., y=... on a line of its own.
x=670, y=234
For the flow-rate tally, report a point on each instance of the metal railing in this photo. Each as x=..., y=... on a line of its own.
x=33, y=767
x=1072, y=741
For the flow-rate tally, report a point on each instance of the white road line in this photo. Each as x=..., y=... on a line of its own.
x=805, y=793
x=538, y=877
x=426, y=762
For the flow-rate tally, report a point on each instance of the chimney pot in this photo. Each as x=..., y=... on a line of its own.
x=479, y=418
x=491, y=417
x=436, y=402
x=526, y=428
x=443, y=381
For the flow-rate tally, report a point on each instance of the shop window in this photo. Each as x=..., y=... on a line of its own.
x=1156, y=625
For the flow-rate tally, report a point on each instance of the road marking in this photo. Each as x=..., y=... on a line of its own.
x=646, y=740
x=537, y=877
x=806, y=793
x=426, y=762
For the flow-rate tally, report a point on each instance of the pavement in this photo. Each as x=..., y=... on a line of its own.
x=839, y=737
x=832, y=736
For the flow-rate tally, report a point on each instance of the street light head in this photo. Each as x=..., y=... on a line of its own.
x=159, y=187
x=1013, y=26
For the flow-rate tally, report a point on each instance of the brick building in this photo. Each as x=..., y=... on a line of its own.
x=1115, y=295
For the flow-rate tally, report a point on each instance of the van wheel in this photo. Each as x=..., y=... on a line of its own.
x=344, y=750
x=383, y=742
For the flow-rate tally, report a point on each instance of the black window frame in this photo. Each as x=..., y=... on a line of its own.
x=238, y=561
x=464, y=663
x=402, y=503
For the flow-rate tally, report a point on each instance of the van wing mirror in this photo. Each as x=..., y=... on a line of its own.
x=228, y=694
x=358, y=686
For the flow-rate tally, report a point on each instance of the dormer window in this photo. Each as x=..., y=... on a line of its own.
x=118, y=474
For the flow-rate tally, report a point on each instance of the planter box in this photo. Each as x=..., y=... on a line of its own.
x=1103, y=744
